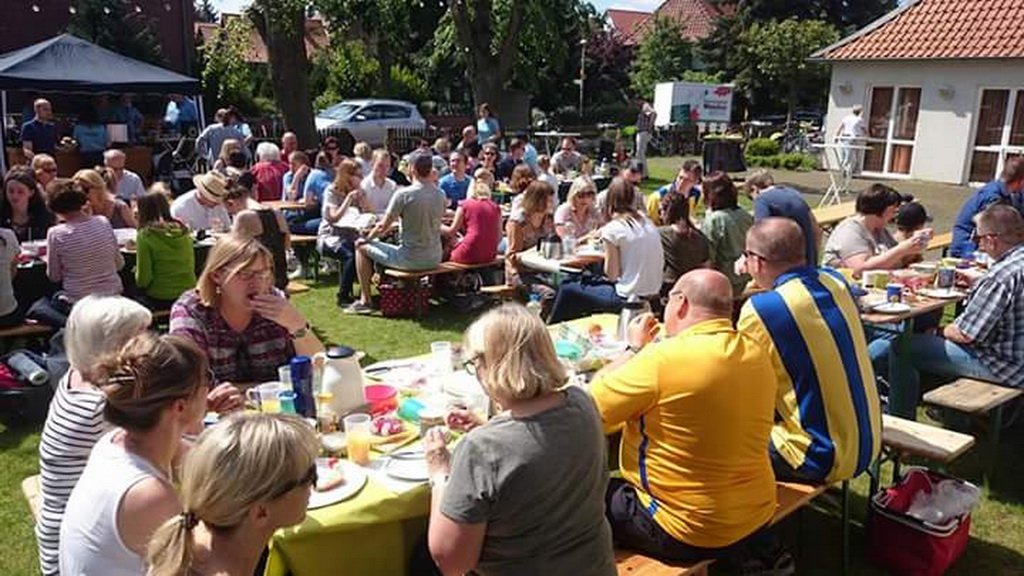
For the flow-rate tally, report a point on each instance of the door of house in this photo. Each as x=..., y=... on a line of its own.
x=892, y=130
x=999, y=132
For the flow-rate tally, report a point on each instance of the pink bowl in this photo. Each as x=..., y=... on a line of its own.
x=381, y=397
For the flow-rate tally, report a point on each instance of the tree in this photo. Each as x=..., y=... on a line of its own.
x=664, y=55
x=845, y=15
x=488, y=33
x=779, y=52
x=607, y=67
x=205, y=12
x=113, y=26
x=225, y=70
x=282, y=26
x=343, y=70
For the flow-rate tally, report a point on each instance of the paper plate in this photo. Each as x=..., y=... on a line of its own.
x=892, y=308
x=355, y=479
x=941, y=293
x=410, y=466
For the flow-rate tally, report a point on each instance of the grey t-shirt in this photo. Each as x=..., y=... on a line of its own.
x=420, y=208
x=9, y=249
x=539, y=484
x=851, y=238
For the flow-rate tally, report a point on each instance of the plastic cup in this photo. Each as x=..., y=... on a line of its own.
x=441, y=356
x=265, y=396
x=357, y=438
x=286, y=399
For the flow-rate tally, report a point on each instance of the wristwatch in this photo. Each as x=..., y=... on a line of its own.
x=301, y=332
x=634, y=349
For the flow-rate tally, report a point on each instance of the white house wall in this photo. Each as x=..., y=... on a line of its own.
x=945, y=127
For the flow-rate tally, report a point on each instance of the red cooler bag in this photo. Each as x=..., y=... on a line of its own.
x=409, y=298
x=906, y=545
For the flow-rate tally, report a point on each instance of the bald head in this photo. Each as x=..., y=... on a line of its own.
x=779, y=241
x=707, y=291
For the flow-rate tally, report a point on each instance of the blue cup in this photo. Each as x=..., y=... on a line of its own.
x=287, y=400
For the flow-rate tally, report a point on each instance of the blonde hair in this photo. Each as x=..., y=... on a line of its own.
x=90, y=178
x=100, y=325
x=381, y=154
x=230, y=254
x=480, y=190
x=580, y=184
x=147, y=375
x=484, y=175
x=242, y=461
x=227, y=147
x=342, y=184
x=362, y=150
x=516, y=354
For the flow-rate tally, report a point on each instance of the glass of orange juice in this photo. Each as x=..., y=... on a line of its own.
x=357, y=438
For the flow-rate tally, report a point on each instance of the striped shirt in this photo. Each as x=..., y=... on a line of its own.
x=83, y=255
x=252, y=355
x=829, y=416
x=994, y=319
x=73, y=426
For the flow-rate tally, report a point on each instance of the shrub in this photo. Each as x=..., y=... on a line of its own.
x=791, y=161
x=794, y=161
x=762, y=147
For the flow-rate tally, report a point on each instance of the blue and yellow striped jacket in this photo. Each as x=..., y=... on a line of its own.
x=828, y=415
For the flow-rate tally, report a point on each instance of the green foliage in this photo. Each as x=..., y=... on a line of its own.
x=762, y=147
x=406, y=84
x=205, y=12
x=344, y=70
x=663, y=56
x=703, y=77
x=114, y=26
x=225, y=70
x=795, y=161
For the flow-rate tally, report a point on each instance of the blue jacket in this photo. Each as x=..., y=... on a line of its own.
x=992, y=193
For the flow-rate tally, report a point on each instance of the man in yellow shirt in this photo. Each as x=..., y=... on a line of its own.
x=830, y=423
x=697, y=408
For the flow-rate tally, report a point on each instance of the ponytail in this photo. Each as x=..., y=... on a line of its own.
x=170, y=549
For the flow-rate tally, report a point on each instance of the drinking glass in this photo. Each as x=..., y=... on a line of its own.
x=441, y=355
x=357, y=438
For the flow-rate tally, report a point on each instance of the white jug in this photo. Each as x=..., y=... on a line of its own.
x=343, y=377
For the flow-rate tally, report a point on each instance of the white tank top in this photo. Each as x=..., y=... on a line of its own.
x=89, y=541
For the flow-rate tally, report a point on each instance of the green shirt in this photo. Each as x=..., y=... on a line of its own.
x=726, y=231
x=166, y=261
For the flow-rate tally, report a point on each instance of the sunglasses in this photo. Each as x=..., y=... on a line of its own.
x=308, y=479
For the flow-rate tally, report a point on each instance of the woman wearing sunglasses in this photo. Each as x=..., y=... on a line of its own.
x=246, y=327
x=245, y=478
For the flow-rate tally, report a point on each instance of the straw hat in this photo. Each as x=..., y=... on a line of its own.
x=211, y=186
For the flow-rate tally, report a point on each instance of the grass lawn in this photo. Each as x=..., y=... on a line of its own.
x=996, y=548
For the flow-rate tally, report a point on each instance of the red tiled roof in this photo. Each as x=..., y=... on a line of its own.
x=697, y=17
x=937, y=29
x=626, y=22
x=316, y=37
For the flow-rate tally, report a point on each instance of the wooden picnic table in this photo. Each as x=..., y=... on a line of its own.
x=829, y=216
x=285, y=205
x=902, y=399
x=581, y=259
x=941, y=241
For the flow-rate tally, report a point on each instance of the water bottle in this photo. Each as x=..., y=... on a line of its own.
x=302, y=384
x=28, y=369
x=534, y=304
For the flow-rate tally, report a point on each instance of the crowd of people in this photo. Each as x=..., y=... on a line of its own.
x=754, y=302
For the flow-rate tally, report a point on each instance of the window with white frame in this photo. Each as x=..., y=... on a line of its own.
x=892, y=129
x=999, y=132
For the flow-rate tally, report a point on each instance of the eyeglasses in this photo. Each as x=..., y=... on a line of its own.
x=751, y=254
x=308, y=479
x=976, y=236
x=469, y=365
x=250, y=275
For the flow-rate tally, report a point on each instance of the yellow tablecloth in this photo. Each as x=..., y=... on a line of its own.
x=373, y=533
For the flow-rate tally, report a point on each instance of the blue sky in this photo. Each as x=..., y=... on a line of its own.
x=645, y=5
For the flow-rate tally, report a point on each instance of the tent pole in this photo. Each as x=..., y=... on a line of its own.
x=202, y=115
x=3, y=131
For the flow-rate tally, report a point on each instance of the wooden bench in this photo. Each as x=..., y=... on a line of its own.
x=443, y=268
x=304, y=246
x=902, y=437
x=976, y=398
x=789, y=498
x=941, y=241
x=30, y=488
x=30, y=330
x=502, y=292
x=295, y=287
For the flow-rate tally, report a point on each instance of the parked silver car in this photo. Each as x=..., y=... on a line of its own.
x=369, y=120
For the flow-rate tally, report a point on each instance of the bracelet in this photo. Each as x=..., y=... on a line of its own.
x=301, y=332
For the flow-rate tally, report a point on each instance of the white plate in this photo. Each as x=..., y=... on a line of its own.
x=409, y=465
x=355, y=478
x=941, y=293
x=892, y=308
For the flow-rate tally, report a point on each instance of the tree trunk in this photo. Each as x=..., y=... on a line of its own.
x=489, y=71
x=289, y=67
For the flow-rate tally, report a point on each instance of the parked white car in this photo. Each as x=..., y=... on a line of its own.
x=369, y=120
